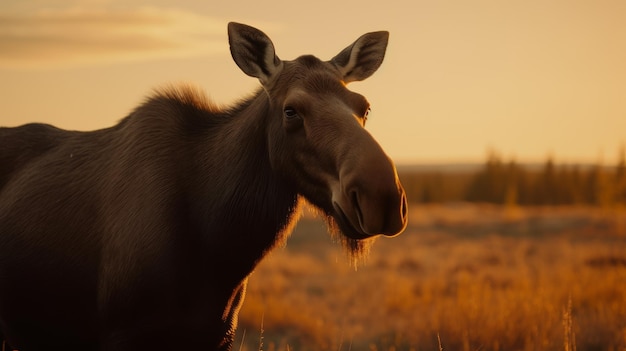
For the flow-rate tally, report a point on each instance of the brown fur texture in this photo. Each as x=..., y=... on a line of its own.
x=141, y=236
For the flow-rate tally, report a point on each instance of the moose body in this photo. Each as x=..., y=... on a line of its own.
x=141, y=236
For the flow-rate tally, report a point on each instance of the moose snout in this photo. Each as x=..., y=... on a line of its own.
x=372, y=199
x=380, y=212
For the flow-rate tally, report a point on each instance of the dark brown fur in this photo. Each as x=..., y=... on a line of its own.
x=156, y=199
x=141, y=236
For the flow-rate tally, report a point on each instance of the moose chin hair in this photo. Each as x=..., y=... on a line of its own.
x=357, y=249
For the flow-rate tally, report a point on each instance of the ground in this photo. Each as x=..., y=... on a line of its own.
x=476, y=277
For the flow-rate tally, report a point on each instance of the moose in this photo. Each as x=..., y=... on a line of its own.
x=141, y=236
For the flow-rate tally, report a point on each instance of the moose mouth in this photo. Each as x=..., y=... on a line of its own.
x=346, y=226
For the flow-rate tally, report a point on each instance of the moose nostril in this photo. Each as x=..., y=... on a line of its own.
x=357, y=208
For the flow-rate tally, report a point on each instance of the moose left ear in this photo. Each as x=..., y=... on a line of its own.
x=361, y=59
x=253, y=52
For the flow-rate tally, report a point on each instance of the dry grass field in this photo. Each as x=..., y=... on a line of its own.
x=475, y=277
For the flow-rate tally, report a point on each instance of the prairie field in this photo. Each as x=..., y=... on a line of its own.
x=461, y=277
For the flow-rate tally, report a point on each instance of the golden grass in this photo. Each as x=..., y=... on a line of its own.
x=462, y=277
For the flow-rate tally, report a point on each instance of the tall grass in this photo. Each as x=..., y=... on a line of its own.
x=461, y=278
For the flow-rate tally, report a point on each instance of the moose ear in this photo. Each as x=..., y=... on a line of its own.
x=361, y=59
x=253, y=52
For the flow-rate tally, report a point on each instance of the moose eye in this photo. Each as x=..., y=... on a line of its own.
x=290, y=113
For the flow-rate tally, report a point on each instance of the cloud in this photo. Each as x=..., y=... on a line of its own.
x=64, y=38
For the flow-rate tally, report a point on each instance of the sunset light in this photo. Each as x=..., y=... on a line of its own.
x=527, y=78
x=401, y=175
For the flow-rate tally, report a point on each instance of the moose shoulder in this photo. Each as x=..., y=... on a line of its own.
x=141, y=236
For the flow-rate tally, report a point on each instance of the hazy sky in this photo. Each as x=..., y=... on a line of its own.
x=528, y=78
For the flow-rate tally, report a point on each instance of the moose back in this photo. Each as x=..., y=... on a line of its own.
x=141, y=236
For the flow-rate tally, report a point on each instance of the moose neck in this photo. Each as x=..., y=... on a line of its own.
x=248, y=208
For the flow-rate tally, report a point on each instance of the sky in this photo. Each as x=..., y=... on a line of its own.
x=530, y=79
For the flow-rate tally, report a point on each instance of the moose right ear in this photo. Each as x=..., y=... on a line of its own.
x=253, y=52
x=361, y=59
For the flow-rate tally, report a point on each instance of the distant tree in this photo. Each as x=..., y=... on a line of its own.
x=521, y=180
x=518, y=186
x=598, y=187
x=575, y=186
x=499, y=183
x=512, y=190
x=433, y=189
x=509, y=183
x=619, y=183
x=488, y=183
x=546, y=188
x=434, y=186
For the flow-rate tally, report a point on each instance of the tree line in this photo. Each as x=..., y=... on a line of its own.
x=509, y=183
